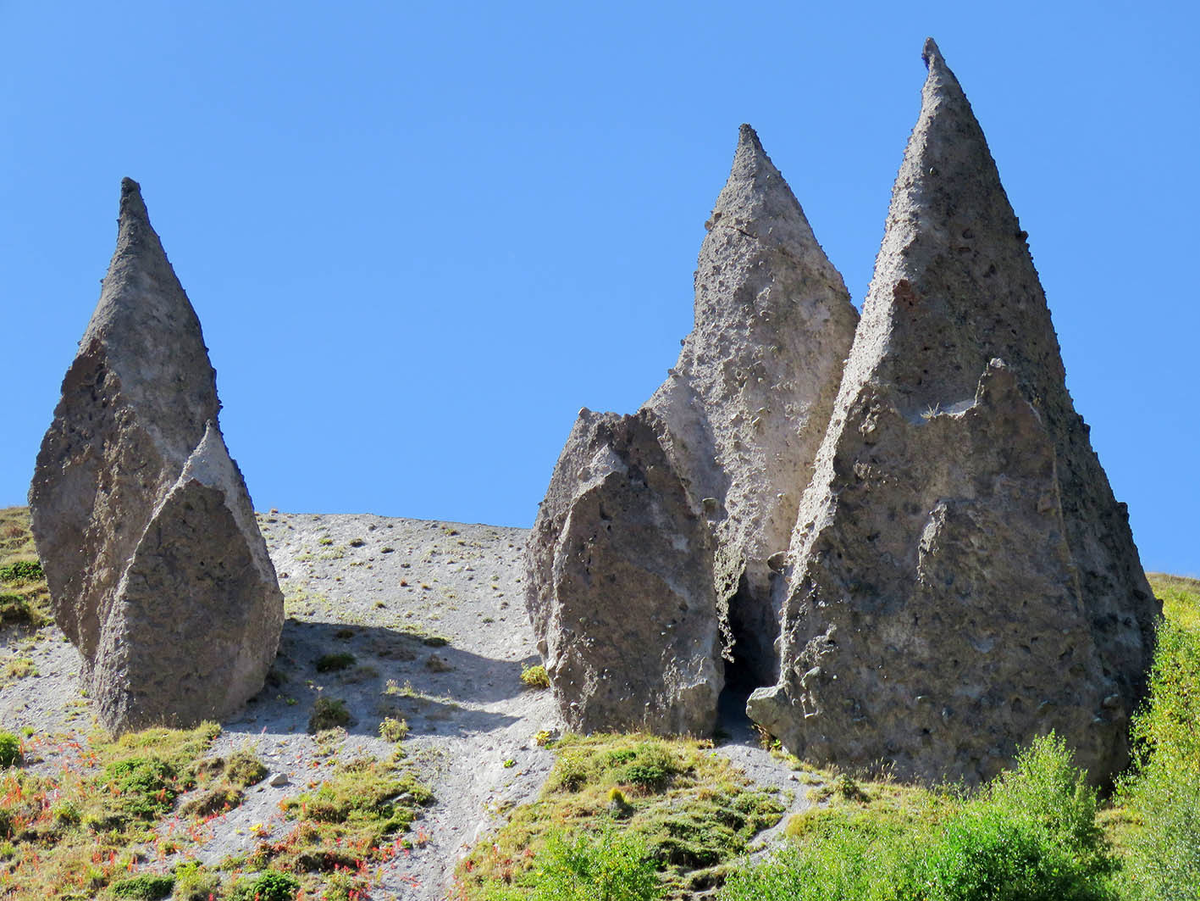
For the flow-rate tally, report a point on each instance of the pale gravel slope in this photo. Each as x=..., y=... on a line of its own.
x=408, y=581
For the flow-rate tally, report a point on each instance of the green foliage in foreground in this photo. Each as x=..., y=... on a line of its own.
x=268, y=886
x=606, y=866
x=679, y=808
x=1030, y=835
x=1162, y=798
x=10, y=749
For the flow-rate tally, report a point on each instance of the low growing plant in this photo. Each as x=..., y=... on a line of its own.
x=535, y=676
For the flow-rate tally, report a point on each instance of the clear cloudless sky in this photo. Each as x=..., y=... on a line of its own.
x=421, y=236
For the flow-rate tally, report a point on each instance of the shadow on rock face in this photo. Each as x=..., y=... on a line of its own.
x=379, y=673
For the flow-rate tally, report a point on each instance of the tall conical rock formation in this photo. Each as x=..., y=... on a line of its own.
x=652, y=556
x=750, y=397
x=961, y=578
x=157, y=571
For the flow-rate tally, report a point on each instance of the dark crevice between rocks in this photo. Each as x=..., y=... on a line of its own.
x=753, y=629
x=750, y=663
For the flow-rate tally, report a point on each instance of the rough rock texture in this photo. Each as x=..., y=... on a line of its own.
x=156, y=568
x=748, y=402
x=633, y=641
x=961, y=578
x=659, y=531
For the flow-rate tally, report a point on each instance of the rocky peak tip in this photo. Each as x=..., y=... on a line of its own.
x=748, y=137
x=931, y=54
x=132, y=203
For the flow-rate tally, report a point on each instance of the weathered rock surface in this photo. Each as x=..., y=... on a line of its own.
x=659, y=530
x=632, y=640
x=157, y=571
x=961, y=578
x=748, y=402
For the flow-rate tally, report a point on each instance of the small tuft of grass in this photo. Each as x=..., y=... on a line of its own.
x=328, y=713
x=534, y=676
x=333, y=663
x=393, y=729
x=245, y=768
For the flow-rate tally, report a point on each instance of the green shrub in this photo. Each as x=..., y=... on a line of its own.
x=333, y=663
x=268, y=886
x=145, y=786
x=989, y=854
x=841, y=859
x=144, y=888
x=22, y=571
x=1164, y=792
x=194, y=883
x=10, y=749
x=328, y=713
x=392, y=729
x=1030, y=835
x=245, y=769
x=534, y=676
x=605, y=866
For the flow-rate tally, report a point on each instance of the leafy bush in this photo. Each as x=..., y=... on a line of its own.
x=144, y=888
x=1031, y=835
x=269, y=886
x=1164, y=793
x=534, y=676
x=841, y=859
x=10, y=749
x=332, y=663
x=606, y=866
x=328, y=713
x=194, y=883
x=392, y=729
x=22, y=571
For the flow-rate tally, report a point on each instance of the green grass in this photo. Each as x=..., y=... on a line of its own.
x=72, y=834
x=688, y=807
x=1030, y=835
x=24, y=597
x=1159, y=831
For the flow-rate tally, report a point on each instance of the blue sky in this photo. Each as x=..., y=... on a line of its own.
x=421, y=237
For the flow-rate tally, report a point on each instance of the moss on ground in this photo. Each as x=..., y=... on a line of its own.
x=694, y=811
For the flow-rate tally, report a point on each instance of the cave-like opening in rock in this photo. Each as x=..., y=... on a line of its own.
x=753, y=629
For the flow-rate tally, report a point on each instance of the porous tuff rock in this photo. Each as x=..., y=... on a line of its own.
x=651, y=556
x=156, y=567
x=630, y=633
x=751, y=395
x=961, y=578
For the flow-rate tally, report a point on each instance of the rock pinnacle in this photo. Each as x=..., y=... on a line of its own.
x=674, y=557
x=960, y=566
x=137, y=404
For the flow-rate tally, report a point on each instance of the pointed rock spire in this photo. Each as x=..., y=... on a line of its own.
x=754, y=386
x=961, y=578
x=732, y=434
x=137, y=402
